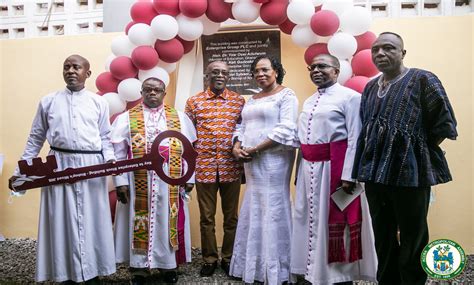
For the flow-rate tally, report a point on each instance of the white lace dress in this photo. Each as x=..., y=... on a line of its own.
x=262, y=242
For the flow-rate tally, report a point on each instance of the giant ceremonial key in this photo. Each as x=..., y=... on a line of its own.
x=40, y=173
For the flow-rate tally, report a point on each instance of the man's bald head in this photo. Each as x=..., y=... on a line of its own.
x=76, y=69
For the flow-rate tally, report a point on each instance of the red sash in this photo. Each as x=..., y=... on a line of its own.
x=352, y=214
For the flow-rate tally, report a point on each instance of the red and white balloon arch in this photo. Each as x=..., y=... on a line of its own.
x=162, y=31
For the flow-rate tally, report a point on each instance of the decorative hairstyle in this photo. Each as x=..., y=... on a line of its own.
x=276, y=65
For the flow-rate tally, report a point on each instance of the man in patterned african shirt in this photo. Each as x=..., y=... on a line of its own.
x=405, y=116
x=215, y=113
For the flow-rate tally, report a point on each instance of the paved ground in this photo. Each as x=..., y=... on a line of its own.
x=17, y=266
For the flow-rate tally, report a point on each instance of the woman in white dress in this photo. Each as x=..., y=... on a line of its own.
x=265, y=140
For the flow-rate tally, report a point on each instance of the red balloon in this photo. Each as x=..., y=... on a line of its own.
x=168, y=7
x=287, y=26
x=324, y=23
x=318, y=8
x=193, y=8
x=100, y=93
x=106, y=83
x=365, y=40
x=144, y=57
x=261, y=1
x=128, y=26
x=274, y=12
x=357, y=83
x=362, y=64
x=218, y=11
x=169, y=51
x=132, y=104
x=187, y=45
x=143, y=12
x=314, y=50
x=122, y=68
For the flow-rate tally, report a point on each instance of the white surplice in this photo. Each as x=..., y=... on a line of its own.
x=330, y=115
x=262, y=241
x=75, y=238
x=161, y=254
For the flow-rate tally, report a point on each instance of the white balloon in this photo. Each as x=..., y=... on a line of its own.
x=246, y=11
x=156, y=72
x=338, y=6
x=300, y=11
x=116, y=105
x=141, y=35
x=129, y=89
x=303, y=35
x=342, y=45
x=122, y=46
x=190, y=29
x=108, y=61
x=345, y=72
x=317, y=3
x=356, y=21
x=164, y=27
x=209, y=27
x=169, y=67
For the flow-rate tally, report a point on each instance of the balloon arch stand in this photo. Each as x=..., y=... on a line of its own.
x=162, y=31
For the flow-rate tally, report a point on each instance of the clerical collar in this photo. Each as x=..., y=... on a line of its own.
x=153, y=110
x=326, y=89
x=72, y=92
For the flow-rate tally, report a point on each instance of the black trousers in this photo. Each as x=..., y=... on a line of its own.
x=403, y=209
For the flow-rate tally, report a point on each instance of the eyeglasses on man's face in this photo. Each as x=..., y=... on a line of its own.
x=217, y=72
x=320, y=67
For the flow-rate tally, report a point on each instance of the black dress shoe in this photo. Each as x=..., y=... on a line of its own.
x=138, y=280
x=225, y=265
x=170, y=276
x=93, y=281
x=68, y=282
x=207, y=269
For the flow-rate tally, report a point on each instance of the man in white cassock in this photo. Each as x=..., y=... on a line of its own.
x=152, y=221
x=330, y=245
x=75, y=237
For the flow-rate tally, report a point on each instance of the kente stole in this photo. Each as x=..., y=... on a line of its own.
x=139, y=148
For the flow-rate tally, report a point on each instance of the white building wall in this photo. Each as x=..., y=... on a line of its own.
x=36, y=18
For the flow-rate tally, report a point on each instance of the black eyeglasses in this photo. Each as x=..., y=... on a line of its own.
x=319, y=66
x=150, y=89
x=216, y=72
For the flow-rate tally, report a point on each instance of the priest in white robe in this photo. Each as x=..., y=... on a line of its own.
x=75, y=238
x=330, y=245
x=152, y=221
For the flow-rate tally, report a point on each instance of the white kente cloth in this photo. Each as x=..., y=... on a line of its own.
x=75, y=238
x=161, y=254
x=262, y=241
x=330, y=115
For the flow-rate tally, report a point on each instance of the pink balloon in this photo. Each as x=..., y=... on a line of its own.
x=218, y=11
x=274, y=12
x=106, y=83
x=365, y=40
x=143, y=12
x=362, y=64
x=187, y=45
x=357, y=83
x=193, y=8
x=128, y=26
x=314, y=50
x=287, y=26
x=168, y=7
x=122, y=68
x=169, y=51
x=324, y=23
x=144, y=57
